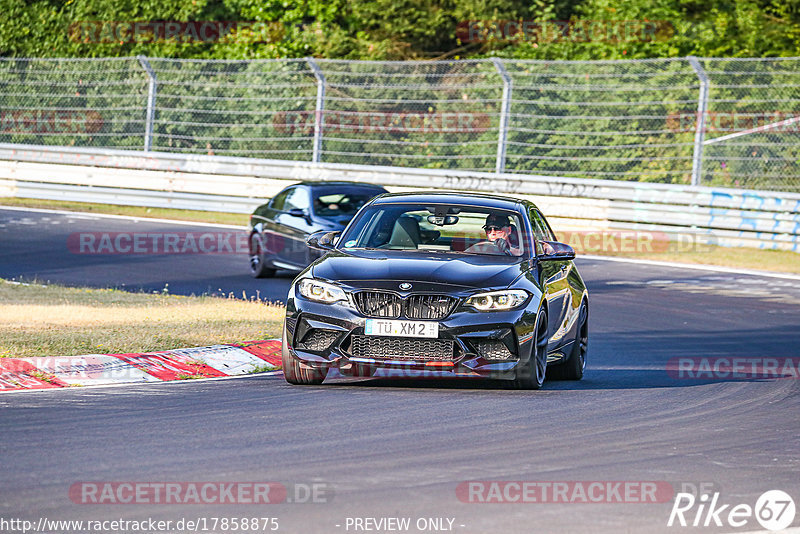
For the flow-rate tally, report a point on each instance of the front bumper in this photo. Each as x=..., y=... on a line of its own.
x=486, y=344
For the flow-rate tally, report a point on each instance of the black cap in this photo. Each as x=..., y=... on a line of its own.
x=495, y=219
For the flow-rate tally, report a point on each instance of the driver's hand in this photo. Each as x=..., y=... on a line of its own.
x=502, y=244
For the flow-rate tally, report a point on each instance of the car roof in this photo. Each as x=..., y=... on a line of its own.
x=456, y=198
x=340, y=183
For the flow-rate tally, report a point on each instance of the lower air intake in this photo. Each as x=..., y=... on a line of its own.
x=493, y=349
x=318, y=339
x=398, y=348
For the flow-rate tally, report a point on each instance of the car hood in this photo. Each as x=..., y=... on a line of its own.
x=378, y=268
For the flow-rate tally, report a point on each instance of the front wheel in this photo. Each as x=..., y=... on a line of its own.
x=294, y=373
x=532, y=374
x=257, y=267
x=573, y=368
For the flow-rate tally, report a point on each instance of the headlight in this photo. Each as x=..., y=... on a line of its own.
x=498, y=300
x=320, y=291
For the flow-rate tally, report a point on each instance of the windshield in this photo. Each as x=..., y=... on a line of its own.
x=332, y=203
x=445, y=228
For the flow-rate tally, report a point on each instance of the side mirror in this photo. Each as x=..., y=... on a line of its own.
x=553, y=250
x=297, y=212
x=322, y=240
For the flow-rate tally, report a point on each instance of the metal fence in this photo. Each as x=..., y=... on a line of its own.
x=701, y=121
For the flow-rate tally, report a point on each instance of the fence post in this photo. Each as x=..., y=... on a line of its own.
x=320, y=108
x=700, y=130
x=502, y=134
x=151, y=102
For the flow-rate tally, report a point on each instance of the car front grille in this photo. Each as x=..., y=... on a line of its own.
x=399, y=348
x=383, y=304
x=318, y=339
x=375, y=304
x=428, y=306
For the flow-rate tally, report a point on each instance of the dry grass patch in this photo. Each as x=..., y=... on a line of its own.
x=52, y=320
x=646, y=245
x=781, y=261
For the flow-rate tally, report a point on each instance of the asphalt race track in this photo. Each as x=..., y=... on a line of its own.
x=36, y=246
x=401, y=448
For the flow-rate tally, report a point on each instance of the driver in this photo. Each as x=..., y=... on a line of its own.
x=498, y=229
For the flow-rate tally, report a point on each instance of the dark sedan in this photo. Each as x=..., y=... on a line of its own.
x=462, y=283
x=278, y=229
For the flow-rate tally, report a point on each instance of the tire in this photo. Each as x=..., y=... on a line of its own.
x=257, y=267
x=532, y=374
x=293, y=373
x=573, y=368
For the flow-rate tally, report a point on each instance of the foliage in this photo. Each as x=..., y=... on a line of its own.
x=404, y=29
x=715, y=28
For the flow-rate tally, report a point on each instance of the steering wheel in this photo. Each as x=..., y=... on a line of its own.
x=502, y=245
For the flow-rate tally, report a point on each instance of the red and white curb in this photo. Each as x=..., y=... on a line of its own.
x=105, y=369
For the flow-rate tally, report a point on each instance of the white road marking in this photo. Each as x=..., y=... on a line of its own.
x=696, y=266
x=93, y=216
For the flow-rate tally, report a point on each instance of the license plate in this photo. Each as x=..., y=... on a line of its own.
x=390, y=327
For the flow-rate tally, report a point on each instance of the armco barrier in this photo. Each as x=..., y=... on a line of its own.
x=763, y=219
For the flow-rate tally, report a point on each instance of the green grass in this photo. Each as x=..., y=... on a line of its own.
x=37, y=320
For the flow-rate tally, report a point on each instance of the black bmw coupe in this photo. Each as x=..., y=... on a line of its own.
x=467, y=284
x=279, y=228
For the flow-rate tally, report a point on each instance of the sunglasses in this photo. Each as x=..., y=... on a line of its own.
x=493, y=228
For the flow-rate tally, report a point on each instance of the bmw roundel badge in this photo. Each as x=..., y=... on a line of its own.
x=405, y=286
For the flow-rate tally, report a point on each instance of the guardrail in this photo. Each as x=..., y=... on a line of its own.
x=762, y=219
x=716, y=122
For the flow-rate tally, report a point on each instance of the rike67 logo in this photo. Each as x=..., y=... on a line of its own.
x=774, y=510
